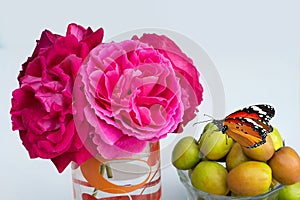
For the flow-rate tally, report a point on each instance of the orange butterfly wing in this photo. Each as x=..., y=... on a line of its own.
x=244, y=134
x=249, y=126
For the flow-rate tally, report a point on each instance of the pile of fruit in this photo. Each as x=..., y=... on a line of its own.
x=218, y=165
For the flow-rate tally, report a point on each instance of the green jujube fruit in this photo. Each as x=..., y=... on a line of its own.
x=186, y=153
x=210, y=177
x=213, y=144
x=291, y=192
x=276, y=138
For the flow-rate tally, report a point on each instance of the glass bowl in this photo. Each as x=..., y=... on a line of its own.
x=195, y=194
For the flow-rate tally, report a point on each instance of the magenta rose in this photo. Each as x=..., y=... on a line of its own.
x=42, y=105
x=135, y=94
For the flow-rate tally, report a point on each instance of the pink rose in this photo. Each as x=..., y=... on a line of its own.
x=135, y=94
x=42, y=105
x=184, y=68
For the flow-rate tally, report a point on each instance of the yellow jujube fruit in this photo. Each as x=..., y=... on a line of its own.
x=250, y=178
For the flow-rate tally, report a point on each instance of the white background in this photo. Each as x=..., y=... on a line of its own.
x=254, y=45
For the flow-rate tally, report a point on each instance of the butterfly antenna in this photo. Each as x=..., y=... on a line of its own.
x=206, y=115
x=200, y=122
x=209, y=120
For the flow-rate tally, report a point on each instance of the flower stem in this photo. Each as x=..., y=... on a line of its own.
x=102, y=168
x=95, y=192
x=108, y=171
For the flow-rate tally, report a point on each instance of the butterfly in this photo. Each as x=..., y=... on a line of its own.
x=248, y=126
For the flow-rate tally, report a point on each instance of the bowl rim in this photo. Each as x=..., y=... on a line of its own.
x=184, y=179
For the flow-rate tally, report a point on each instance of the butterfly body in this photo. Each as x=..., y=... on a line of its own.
x=248, y=126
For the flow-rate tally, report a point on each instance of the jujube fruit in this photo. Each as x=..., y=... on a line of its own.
x=186, y=153
x=235, y=156
x=261, y=153
x=276, y=138
x=291, y=192
x=210, y=177
x=250, y=178
x=213, y=143
x=285, y=165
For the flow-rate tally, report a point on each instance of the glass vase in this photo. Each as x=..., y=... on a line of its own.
x=135, y=178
